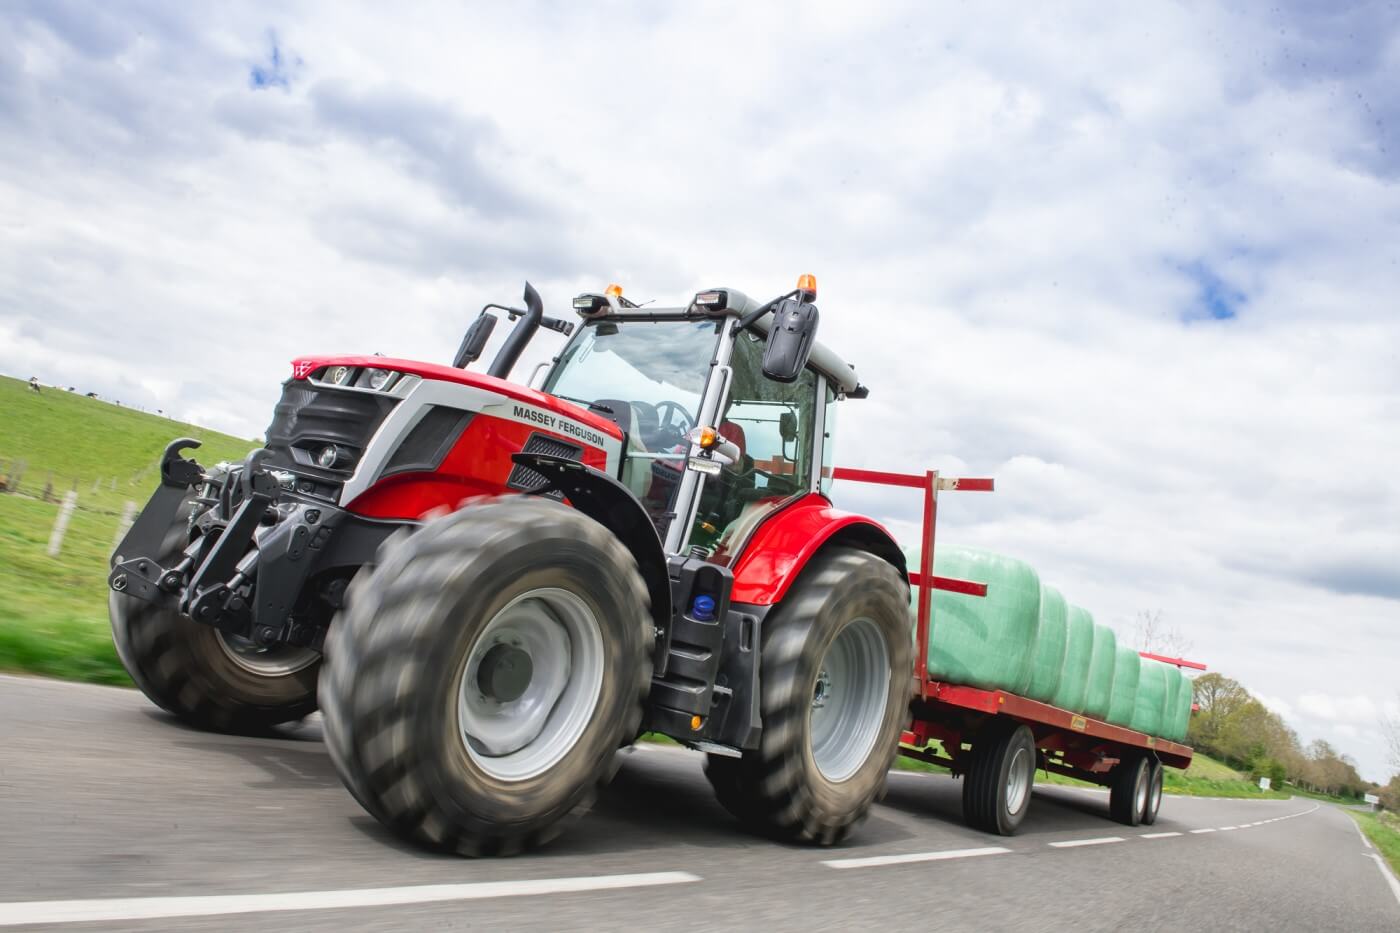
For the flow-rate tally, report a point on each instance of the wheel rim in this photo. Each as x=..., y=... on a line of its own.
x=1140, y=792
x=270, y=661
x=531, y=684
x=1018, y=781
x=848, y=700
x=1155, y=801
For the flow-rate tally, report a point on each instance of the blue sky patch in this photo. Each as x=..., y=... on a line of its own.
x=276, y=69
x=1216, y=299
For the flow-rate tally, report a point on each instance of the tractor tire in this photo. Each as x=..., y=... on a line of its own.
x=997, y=788
x=212, y=681
x=1129, y=791
x=834, y=696
x=1154, y=794
x=484, y=672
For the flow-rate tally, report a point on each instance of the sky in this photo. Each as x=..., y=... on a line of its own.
x=1138, y=263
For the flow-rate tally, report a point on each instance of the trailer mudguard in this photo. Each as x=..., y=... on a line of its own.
x=785, y=541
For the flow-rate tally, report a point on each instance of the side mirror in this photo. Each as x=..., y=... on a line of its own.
x=474, y=341
x=787, y=426
x=790, y=340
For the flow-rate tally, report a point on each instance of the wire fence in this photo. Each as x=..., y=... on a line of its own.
x=107, y=496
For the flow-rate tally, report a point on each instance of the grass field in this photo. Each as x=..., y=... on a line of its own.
x=1383, y=829
x=53, y=610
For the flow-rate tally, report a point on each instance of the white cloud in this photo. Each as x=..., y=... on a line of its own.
x=1022, y=225
x=1349, y=709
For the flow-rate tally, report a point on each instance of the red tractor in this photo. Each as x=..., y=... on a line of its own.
x=488, y=589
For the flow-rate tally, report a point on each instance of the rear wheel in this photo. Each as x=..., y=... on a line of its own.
x=834, y=696
x=210, y=680
x=483, y=674
x=1129, y=792
x=997, y=788
x=1154, y=794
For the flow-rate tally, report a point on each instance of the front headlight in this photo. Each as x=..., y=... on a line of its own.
x=377, y=378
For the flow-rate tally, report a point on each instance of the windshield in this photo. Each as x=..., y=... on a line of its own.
x=647, y=376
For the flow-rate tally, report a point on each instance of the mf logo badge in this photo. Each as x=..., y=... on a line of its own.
x=301, y=367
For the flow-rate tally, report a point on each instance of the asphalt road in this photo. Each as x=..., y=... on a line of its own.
x=114, y=817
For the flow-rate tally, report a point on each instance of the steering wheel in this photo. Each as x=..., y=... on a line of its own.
x=666, y=434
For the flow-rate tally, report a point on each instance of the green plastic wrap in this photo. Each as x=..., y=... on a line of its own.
x=1151, y=698
x=1101, y=664
x=1048, y=661
x=1079, y=650
x=1174, y=682
x=1181, y=720
x=989, y=641
x=1127, y=669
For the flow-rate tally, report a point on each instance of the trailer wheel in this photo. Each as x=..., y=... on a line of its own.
x=1129, y=793
x=1154, y=794
x=210, y=680
x=997, y=788
x=483, y=674
x=834, y=697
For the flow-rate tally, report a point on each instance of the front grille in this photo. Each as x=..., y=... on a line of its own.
x=528, y=480
x=308, y=417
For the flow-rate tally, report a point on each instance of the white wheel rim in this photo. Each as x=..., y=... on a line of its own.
x=1018, y=781
x=272, y=661
x=1140, y=792
x=554, y=638
x=848, y=700
x=1156, y=799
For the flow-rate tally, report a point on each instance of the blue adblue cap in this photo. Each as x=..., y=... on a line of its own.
x=702, y=608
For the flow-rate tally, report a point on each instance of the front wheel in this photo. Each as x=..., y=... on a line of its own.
x=835, y=662
x=209, y=679
x=483, y=674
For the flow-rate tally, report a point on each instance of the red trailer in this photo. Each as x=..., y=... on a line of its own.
x=996, y=740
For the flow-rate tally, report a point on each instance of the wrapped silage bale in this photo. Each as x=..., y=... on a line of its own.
x=1048, y=661
x=1181, y=717
x=985, y=642
x=1079, y=651
x=1127, y=669
x=1151, y=698
x=1101, y=664
x=1173, y=695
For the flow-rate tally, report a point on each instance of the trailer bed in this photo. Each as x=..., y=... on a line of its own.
x=953, y=723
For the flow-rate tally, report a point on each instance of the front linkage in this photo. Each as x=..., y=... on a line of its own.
x=252, y=545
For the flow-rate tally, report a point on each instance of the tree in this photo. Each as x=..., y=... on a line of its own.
x=1390, y=728
x=1153, y=634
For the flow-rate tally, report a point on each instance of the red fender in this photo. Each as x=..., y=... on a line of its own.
x=786, y=541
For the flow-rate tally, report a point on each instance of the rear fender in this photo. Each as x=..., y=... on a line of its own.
x=784, y=543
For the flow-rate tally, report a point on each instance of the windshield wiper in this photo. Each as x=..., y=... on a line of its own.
x=591, y=406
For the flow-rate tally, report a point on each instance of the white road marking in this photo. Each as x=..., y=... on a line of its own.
x=1389, y=875
x=1364, y=841
x=877, y=860
x=110, y=910
x=1157, y=835
x=1072, y=843
x=1226, y=829
x=1195, y=831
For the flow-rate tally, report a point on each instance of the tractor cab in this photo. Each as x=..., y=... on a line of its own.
x=724, y=420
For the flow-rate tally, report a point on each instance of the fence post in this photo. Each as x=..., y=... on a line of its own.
x=60, y=527
x=123, y=526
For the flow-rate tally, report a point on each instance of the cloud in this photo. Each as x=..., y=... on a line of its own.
x=1340, y=708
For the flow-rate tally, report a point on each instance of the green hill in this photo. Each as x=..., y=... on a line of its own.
x=53, y=610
